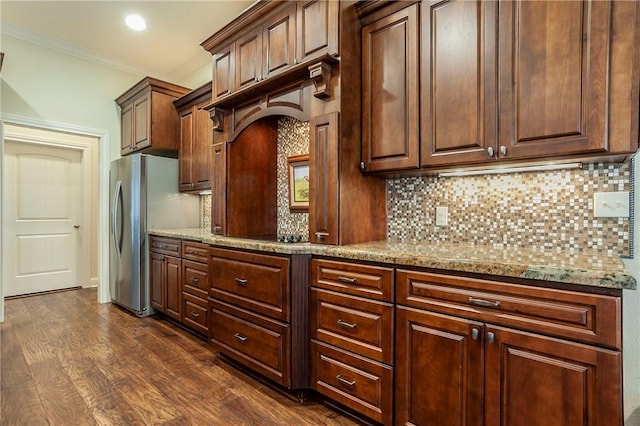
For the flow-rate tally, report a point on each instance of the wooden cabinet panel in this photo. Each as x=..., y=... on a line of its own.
x=323, y=166
x=248, y=63
x=195, y=278
x=375, y=282
x=279, y=34
x=390, y=65
x=352, y=323
x=219, y=189
x=254, y=281
x=173, y=274
x=198, y=252
x=187, y=146
x=168, y=246
x=142, y=121
x=223, y=72
x=438, y=356
x=317, y=25
x=356, y=382
x=458, y=82
x=203, y=134
x=126, y=134
x=252, y=340
x=561, y=382
x=552, y=90
x=157, y=280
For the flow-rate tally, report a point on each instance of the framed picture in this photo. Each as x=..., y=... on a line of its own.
x=299, y=183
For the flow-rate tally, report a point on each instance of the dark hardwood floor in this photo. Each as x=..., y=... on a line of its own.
x=67, y=360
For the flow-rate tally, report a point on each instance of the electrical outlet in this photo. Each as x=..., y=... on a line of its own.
x=442, y=216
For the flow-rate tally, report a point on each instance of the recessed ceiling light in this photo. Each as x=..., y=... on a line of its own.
x=136, y=22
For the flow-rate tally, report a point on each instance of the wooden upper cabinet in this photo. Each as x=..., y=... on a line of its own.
x=248, y=59
x=196, y=138
x=458, y=82
x=317, y=25
x=279, y=39
x=223, y=72
x=149, y=121
x=553, y=91
x=390, y=101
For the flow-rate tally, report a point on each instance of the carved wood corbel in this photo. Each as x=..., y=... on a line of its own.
x=217, y=116
x=320, y=74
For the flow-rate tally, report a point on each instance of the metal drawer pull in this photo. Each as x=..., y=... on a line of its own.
x=482, y=302
x=346, y=324
x=346, y=279
x=321, y=235
x=491, y=337
x=240, y=281
x=344, y=381
x=241, y=337
x=475, y=334
x=195, y=252
x=195, y=314
x=195, y=280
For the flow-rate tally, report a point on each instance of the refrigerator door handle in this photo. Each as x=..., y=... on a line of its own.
x=117, y=206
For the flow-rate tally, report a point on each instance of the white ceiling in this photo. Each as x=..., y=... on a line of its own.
x=168, y=49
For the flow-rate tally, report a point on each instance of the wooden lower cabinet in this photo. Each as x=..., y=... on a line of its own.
x=453, y=371
x=165, y=277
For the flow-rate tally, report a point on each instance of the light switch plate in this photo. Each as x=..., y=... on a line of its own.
x=611, y=204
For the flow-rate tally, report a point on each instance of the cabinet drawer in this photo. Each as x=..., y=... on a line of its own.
x=375, y=282
x=195, y=278
x=353, y=323
x=256, y=282
x=194, y=312
x=585, y=317
x=254, y=341
x=168, y=246
x=356, y=382
x=197, y=252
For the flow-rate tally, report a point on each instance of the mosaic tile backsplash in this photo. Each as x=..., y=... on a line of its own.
x=550, y=210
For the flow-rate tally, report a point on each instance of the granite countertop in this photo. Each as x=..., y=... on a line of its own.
x=590, y=268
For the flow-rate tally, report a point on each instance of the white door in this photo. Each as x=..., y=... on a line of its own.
x=42, y=216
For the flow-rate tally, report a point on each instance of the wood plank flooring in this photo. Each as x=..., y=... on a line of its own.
x=67, y=360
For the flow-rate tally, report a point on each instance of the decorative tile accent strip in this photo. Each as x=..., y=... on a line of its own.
x=549, y=210
x=293, y=139
x=205, y=201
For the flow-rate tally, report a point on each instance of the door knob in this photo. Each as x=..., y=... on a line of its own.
x=76, y=226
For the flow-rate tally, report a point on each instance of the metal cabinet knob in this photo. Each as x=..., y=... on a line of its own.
x=76, y=226
x=503, y=150
x=490, y=151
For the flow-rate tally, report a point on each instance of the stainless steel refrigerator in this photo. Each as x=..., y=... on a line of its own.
x=144, y=195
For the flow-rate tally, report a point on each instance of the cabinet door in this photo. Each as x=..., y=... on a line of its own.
x=223, y=72
x=219, y=189
x=535, y=380
x=173, y=283
x=141, y=121
x=248, y=64
x=279, y=42
x=438, y=369
x=323, y=186
x=390, y=122
x=553, y=74
x=157, y=279
x=126, y=135
x=317, y=27
x=186, y=157
x=203, y=135
x=458, y=82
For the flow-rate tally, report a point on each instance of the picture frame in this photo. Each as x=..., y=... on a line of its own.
x=298, y=183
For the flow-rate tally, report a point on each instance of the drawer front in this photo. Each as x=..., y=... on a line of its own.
x=194, y=313
x=362, y=385
x=195, y=278
x=197, y=252
x=257, y=282
x=585, y=317
x=359, y=325
x=168, y=246
x=256, y=342
x=375, y=282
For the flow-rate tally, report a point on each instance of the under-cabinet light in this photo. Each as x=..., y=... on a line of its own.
x=504, y=170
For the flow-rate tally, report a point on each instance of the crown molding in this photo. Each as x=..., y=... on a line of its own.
x=48, y=42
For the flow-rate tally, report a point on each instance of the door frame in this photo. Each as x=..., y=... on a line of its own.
x=103, y=191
